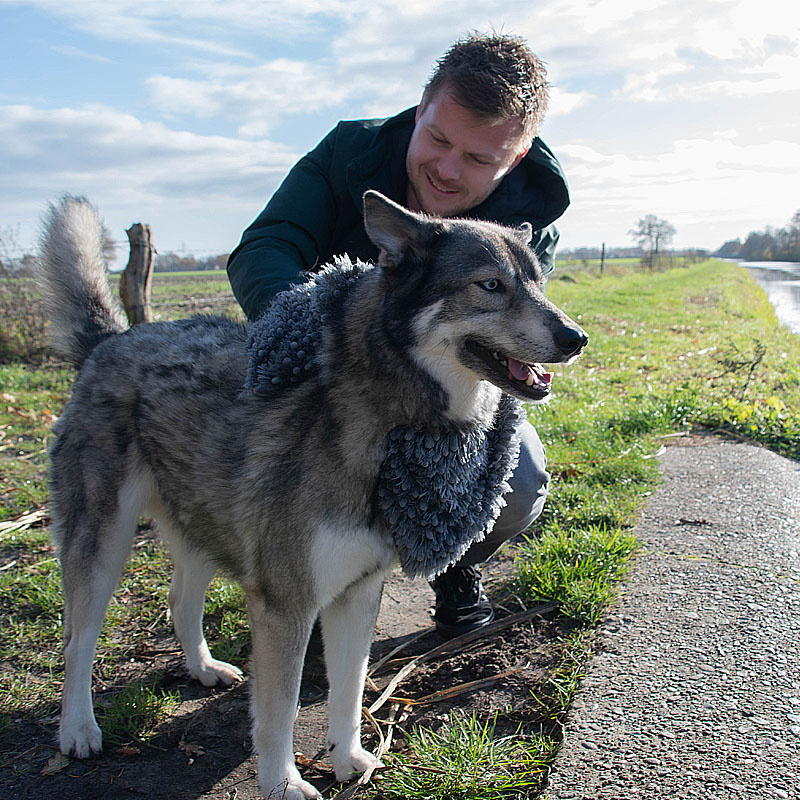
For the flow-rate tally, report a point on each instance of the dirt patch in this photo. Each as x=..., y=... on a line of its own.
x=204, y=751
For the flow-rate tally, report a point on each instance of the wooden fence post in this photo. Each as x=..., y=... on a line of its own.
x=134, y=285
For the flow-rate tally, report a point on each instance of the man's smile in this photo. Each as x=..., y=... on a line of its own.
x=438, y=186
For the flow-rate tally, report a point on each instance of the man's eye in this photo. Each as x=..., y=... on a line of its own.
x=492, y=285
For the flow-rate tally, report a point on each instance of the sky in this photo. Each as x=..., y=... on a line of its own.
x=187, y=116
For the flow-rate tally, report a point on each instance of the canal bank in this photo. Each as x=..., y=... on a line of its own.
x=781, y=281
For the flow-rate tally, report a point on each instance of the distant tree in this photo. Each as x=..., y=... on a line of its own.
x=760, y=246
x=731, y=249
x=790, y=240
x=653, y=235
x=172, y=262
x=109, y=246
x=771, y=244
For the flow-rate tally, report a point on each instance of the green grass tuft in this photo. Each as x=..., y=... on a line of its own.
x=132, y=714
x=578, y=569
x=465, y=760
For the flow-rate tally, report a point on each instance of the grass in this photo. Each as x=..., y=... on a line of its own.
x=694, y=348
x=466, y=760
x=133, y=714
x=179, y=294
x=577, y=568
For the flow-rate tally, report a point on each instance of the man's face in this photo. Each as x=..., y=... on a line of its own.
x=456, y=159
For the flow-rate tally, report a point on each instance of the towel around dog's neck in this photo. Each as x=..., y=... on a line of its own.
x=439, y=489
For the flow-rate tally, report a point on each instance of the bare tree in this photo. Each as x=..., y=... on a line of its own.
x=22, y=319
x=653, y=235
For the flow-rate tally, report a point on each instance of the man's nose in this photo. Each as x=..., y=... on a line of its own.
x=449, y=167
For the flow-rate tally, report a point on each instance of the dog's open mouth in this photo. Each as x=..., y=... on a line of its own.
x=531, y=380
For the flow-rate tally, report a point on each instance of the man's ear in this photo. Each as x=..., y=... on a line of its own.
x=397, y=232
x=518, y=158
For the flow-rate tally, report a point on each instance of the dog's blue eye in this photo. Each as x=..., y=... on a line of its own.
x=492, y=285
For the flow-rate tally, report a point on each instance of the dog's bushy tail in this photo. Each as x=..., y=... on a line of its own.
x=72, y=273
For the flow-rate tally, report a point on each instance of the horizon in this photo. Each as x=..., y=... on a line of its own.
x=188, y=117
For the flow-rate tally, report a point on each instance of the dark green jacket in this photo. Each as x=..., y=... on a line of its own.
x=316, y=212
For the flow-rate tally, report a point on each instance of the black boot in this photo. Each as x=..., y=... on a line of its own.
x=461, y=603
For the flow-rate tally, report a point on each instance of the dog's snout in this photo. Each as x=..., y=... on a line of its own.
x=571, y=339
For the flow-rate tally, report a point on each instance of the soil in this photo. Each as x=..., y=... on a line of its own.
x=204, y=750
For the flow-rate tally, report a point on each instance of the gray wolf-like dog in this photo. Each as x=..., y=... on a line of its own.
x=268, y=466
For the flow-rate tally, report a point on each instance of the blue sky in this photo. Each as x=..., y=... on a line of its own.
x=187, y=115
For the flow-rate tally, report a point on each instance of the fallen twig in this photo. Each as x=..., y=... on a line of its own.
x=456, y=645
x=407, y=643
x=462, y=688
x=24, y=521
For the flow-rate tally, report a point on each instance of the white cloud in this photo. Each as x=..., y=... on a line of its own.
x=562, y=102
x=705, y=187
x=255, y=96
x=664, y=50
x=203, y=25
x=203, y=188
x=257, y=65
x=70, y=50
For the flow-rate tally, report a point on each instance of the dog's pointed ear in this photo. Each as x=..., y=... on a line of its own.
x=525, y=232
x=397, y=232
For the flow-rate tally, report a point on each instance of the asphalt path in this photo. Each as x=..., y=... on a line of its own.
x=695, y=689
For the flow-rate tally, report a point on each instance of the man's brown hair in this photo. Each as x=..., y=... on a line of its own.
x=497, y=77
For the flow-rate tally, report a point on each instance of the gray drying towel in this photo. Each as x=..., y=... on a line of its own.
x=439, y=490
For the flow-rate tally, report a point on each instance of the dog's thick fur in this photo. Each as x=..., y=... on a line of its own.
x=277, y=491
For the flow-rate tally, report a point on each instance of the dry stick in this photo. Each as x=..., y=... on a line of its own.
x=378, y=664
x=456, y=644
x=443, y=649
x=462, y=688
x=23, y=521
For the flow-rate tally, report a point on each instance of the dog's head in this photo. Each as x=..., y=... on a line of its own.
x=471, y=298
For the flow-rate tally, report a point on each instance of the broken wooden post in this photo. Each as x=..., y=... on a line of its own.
x=134, y=285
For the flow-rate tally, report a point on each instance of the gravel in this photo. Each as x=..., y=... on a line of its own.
x=695, y=690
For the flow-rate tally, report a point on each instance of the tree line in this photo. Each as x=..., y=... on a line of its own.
x=174, y=262
x=771, y=244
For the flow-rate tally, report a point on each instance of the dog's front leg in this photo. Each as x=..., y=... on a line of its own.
x=347, y=627
x=279, y=640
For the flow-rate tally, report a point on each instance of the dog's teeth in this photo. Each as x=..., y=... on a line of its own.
x=530, y=379
x=496, y=356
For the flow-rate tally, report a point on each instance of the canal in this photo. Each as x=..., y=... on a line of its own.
x=781, y=281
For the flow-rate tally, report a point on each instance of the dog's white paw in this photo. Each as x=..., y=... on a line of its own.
x=211, y=672
x=347, y=763
x=290, y=787
x=80, y=739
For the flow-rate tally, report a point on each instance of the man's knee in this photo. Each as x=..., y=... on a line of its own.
x=529, y=483
x=524, y=504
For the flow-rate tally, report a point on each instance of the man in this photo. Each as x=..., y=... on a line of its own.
x=468, y=149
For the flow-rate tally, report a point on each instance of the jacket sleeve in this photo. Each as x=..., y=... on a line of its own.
x=287, y=237
x=544, y=244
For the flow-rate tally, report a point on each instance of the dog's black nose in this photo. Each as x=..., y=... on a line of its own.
x=571, y=340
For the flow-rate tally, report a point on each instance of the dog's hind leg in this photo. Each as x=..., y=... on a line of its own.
x=92, y=557
x=279, y=637
x=193, y=572
x=347, y=627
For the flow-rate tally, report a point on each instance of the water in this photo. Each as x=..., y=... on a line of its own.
x=781, y=281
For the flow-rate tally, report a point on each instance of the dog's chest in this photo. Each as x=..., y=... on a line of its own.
x=341, y=556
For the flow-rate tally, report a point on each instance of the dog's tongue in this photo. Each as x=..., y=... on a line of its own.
x=518, y=369
x=522, y=371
